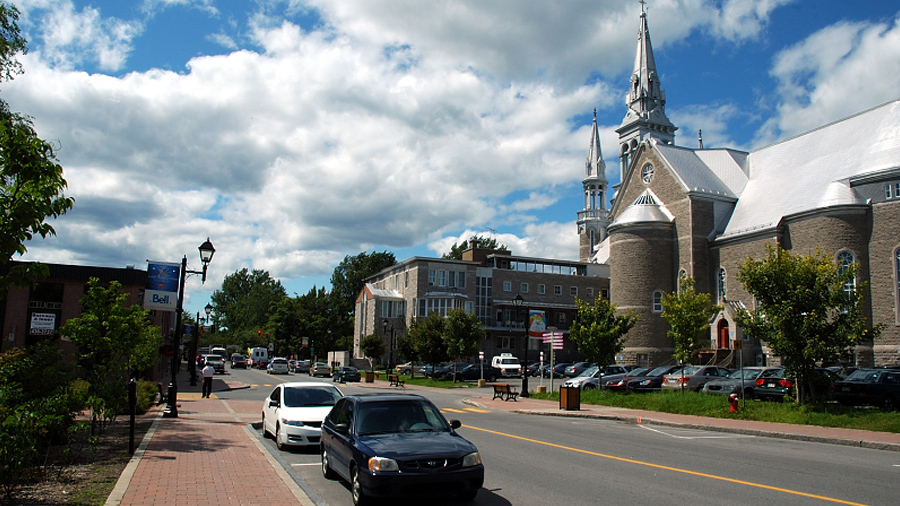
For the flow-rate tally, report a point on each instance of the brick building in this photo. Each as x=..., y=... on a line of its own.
x=485, y=283
x=702, y=212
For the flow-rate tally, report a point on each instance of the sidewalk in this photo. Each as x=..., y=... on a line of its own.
x=209, y=454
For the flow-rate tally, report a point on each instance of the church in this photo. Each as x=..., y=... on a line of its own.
x=702, y=212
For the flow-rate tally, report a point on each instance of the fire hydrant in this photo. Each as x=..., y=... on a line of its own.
x=733, y=403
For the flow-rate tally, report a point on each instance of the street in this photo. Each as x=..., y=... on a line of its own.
x=545, y=459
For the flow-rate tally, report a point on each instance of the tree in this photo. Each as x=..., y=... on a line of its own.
x=31, y=182
x=426, y=339
x=113, y=342
x=456, y=250
x=463, y=333
x=372, y=346
x=349, y=276
x=599, y=332
x=688, y=314
x=244, y=302
x=809, y=309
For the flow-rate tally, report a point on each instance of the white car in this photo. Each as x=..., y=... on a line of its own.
x=293, y=412
x=278, y=366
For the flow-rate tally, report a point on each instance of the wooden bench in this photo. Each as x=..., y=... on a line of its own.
x=505, y=392
x=394, y=380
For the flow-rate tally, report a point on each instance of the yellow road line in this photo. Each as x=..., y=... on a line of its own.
x=452, y=410
x=669, y=468
x=475, y=410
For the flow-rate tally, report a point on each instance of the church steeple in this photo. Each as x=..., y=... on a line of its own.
x=594, y=218
x=646, y=101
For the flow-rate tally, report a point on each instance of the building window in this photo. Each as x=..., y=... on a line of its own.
x=507, y=286
x=452, y=282
x=590, y=293
x=845, y=260
x=524, y=287
x=604, y=294
x=541, y=289
x=431, y=277
x=681, y=275
x=720, y=287
x=442, y=278
x=461, y=279
x=561, y=318
x=573, y=291
x=657, y=302
x=557, y=290
x=506, y=343
x=888, y=191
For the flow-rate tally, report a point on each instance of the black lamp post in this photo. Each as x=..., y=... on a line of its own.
x=206, y=253
x=518, y=301
x=192, y=359
x=384, y=325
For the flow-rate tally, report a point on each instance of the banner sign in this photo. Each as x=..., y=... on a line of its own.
x=537, y=323
x=162, y=286
x=42, y=324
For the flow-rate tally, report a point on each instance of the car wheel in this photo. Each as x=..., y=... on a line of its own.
x=265, y=432
x=278, y=436
x=589, y=387
x=748, y=393
x=359, y=499
x=327, y=472
x=492, y=378
x=468, y=496
x=888, y=403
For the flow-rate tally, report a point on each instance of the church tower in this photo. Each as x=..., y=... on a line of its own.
x=593, y=220
x=646, y=102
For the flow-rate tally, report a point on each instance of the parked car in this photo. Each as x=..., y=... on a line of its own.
x=577, y=368
x=652, y=381
x=592, y=377
x=694, y=377
x=473, y=372
x=216, y=361
x=302, y=366
x=741, y=380
x=776, y=386
x=238, y=361
x=293, y=412
x=558, y=370
x=346, y=374
x=319, y=369
x=533, y=369
x=874, y=387
x=450, y=371
x=277, y=366
x=408, y=367
x=400, y=446
x=618, y=381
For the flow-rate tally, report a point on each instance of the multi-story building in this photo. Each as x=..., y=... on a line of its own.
x=701, y=212
x=485, y=283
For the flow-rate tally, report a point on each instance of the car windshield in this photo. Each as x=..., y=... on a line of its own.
x=590, y=371
x=745, y=374
x=659, y=371
x=397, y=417
x=688, y=371
x=863, y=375
x=302, y=397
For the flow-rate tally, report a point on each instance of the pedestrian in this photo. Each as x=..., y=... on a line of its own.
x=207, y=373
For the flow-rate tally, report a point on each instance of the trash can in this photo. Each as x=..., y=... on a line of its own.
x=370, y=377
x=569, y=398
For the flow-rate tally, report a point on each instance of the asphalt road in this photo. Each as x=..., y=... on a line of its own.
x=575, y=461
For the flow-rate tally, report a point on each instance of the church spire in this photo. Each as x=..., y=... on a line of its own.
x=594, y=218
x=645, y=100
x=594, y=165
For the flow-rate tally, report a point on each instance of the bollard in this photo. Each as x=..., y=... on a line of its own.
x=733, y=403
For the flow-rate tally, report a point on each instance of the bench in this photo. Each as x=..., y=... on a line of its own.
x=505, y=392
x=394, y=380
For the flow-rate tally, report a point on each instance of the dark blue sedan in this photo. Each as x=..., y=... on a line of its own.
x=395, y=445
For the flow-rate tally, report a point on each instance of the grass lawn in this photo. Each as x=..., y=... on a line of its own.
x=829, y=414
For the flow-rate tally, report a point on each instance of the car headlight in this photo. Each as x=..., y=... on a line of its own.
x=382, y=464
x=294, y=423
x=472, y=459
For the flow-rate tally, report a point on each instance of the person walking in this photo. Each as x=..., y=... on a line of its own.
x=208, y=372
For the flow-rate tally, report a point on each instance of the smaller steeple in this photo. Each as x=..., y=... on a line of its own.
x=594, y=165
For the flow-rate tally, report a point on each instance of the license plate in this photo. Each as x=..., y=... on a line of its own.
x=770, y=385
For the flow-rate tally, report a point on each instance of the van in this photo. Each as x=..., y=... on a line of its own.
x=259, y=357
x=508, y=364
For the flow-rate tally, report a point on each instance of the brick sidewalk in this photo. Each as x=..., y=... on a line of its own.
x=209, y=454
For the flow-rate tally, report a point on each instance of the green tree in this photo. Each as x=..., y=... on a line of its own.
x=31, y=181
x=113, y=341
x=426, y=339
x=243, y=305
x=688, y=314
x=372, y=347
x=599, y=332
x=349, y=276
x=463, y=334
x=457, y=249
x=809, y=309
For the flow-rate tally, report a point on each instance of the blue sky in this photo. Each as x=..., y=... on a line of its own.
x=295, y=132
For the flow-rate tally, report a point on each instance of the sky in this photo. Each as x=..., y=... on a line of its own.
x=294, y=133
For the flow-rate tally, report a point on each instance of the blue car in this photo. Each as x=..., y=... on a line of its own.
x=396, y=445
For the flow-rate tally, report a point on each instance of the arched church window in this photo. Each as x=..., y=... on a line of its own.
x=720, y=287
x=845, y=259
x=681, y=275
x=657, y=302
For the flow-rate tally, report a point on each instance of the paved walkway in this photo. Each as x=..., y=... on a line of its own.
x=211, y=455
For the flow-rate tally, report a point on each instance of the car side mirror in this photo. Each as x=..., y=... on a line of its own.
x=342, y=428
x=455, y=424
x=273, y=403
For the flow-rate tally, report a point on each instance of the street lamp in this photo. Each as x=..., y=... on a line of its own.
x=206, y=253
x=192, y=358
x=518, y=301
x=384, y=325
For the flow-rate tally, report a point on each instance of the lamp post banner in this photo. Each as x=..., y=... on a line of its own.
x=537, y=323
x=162, y=286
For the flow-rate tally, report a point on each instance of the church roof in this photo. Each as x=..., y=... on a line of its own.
x=645, y=209
x=799, y=174
x=715, y=172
